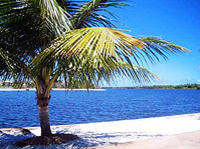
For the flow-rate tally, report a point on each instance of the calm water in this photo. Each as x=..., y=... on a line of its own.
x=19, y=109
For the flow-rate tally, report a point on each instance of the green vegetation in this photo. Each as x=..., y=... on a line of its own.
x=44, y=41
x=57, y=84
x=183, y=86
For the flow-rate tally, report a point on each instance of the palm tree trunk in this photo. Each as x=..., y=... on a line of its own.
x=43, y=107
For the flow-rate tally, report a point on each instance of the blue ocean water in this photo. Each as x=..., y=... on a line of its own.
x=18, y=108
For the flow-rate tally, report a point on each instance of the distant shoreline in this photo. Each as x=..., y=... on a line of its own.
x=101, y=89
x=182, y=86
x=170, y=87
x=150, y=88
x=54, y=89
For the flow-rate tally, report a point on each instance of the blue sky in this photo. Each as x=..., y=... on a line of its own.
x=177, y=21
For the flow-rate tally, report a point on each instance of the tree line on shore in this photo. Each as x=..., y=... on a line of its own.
x=79, y=85
x=58, y=84
x=181, y=86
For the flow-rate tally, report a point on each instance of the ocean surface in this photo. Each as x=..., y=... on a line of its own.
x=18, y=108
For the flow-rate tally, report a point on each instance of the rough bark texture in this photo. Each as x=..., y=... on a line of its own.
x=43, y=107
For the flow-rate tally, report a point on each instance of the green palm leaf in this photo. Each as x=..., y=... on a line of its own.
x=106, y=50
x=161, y=46
x=52, y=17
x=88, y=15
x=55, y=15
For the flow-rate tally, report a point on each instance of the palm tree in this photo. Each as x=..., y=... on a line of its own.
x=73, y=41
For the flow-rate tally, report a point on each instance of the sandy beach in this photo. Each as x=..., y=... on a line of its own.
x=190, y=140
x=168, y=132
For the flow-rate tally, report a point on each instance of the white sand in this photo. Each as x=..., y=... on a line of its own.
x=189, y=140
x=116, y=132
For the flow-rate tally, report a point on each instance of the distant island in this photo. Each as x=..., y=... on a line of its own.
x=183, y=86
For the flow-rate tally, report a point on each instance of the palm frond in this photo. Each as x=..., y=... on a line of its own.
x=70, y=6
x=74, y=71
x=19, y=32
x=162, y=47
x=89, y=75
x=50, y=15
x=104, y=51
x=5, y=67
x=55, y=15
x=11, y=67
x=98, y=41
x=88, y=15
